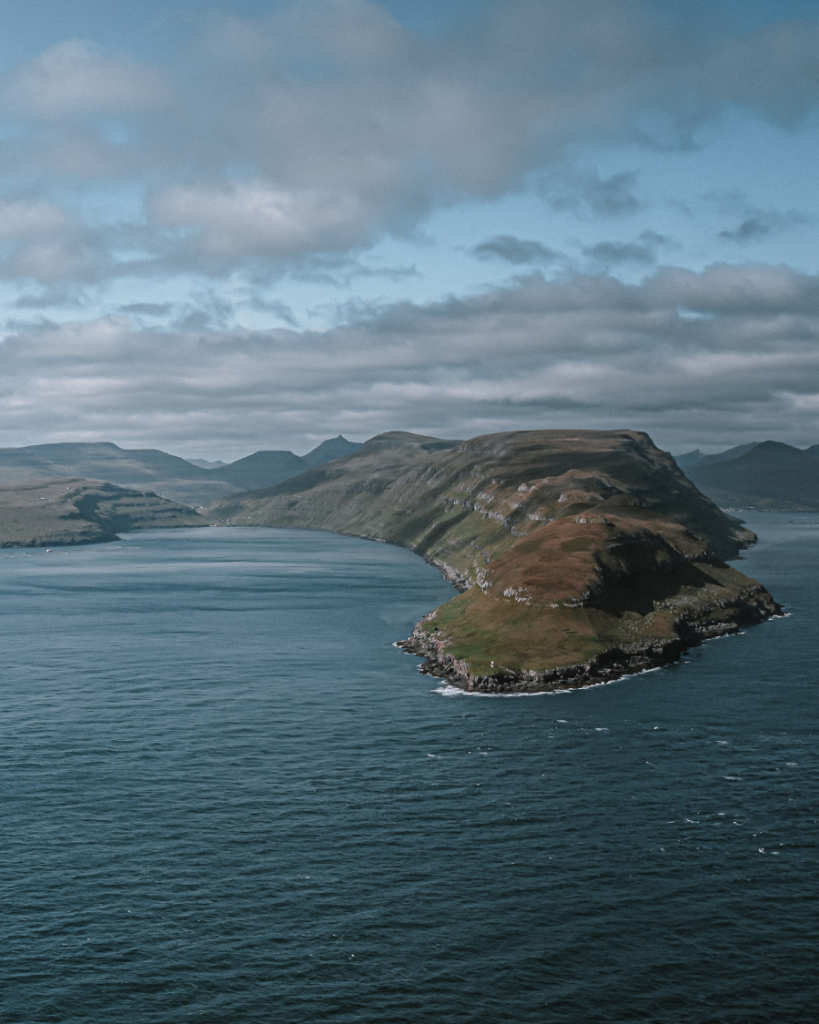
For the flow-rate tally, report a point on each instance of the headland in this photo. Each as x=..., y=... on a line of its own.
x=582, y=556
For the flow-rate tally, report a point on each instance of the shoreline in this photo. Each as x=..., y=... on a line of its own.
x=610, y=665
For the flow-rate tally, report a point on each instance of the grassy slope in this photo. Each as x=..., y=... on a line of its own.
x=569, y=544
x=41, y=513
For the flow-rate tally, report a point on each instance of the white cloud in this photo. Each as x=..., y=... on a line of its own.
x=255, y=219
x=24, y=218
x=72, y=78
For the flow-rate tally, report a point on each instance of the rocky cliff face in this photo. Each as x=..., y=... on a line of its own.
x=582, y=555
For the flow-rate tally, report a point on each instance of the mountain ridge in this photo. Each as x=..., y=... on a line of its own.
x=170, y=476
x=766, y=475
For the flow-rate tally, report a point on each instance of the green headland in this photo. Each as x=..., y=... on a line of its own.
x=581, y=555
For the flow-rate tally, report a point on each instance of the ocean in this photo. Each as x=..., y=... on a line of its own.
x=227, y=798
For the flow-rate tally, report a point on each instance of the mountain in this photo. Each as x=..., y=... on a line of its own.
x=268, y=468
x=698, y=458
x=689, y=458
x=261, y=469
x=42, y=513
x=206, y=464
x=137, y=469
x=329, y=450
x=581, y=555
x=768, y=475
x=167, y=475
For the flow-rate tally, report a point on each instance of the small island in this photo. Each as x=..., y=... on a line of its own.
x=582, y=556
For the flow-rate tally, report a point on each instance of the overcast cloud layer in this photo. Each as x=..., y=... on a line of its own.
x=733, y=347
x=288, y=146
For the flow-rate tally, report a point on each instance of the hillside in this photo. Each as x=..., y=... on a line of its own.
x=327, y=451
x=42, y=513
x=261, y=469
x=768, y=475
x=167, y=475
x=582, y=555
x=138, y=469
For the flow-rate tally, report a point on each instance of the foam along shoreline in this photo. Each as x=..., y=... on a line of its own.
x=447, y=689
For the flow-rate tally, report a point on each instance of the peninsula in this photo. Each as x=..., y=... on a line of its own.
x=45, y=513
x=581, y=555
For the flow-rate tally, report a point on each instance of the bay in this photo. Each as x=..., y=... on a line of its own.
x=226, y=797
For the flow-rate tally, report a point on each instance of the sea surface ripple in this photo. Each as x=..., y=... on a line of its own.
x=227, y=798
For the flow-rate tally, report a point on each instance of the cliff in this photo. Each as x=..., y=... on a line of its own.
x=582, y=554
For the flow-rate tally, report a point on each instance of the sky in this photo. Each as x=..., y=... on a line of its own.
x=253, y=224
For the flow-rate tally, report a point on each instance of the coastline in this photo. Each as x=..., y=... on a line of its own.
x=752, y=608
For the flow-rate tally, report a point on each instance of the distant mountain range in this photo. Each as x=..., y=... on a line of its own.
x=766, y=475
x=166, y=475
x=41, y=513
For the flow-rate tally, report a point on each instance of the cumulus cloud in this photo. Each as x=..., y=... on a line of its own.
x=27, y=218
x=695, y=358
x=74, y=79
x=254, y=219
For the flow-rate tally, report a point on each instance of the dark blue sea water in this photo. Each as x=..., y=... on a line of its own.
x=227, y=798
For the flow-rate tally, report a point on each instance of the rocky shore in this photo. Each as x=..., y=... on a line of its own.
x=751, y=608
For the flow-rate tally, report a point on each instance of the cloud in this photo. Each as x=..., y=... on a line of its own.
x=28, y=218
x=147, y=308
x=586, y=351
x=74, y=79
x=643, y=250
x=49, y=298
x=254, y=219
x=588, y=192
x=761, y=224
x=515, y=250
x=324, y=124
x=281, y=309
x=41, y=242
